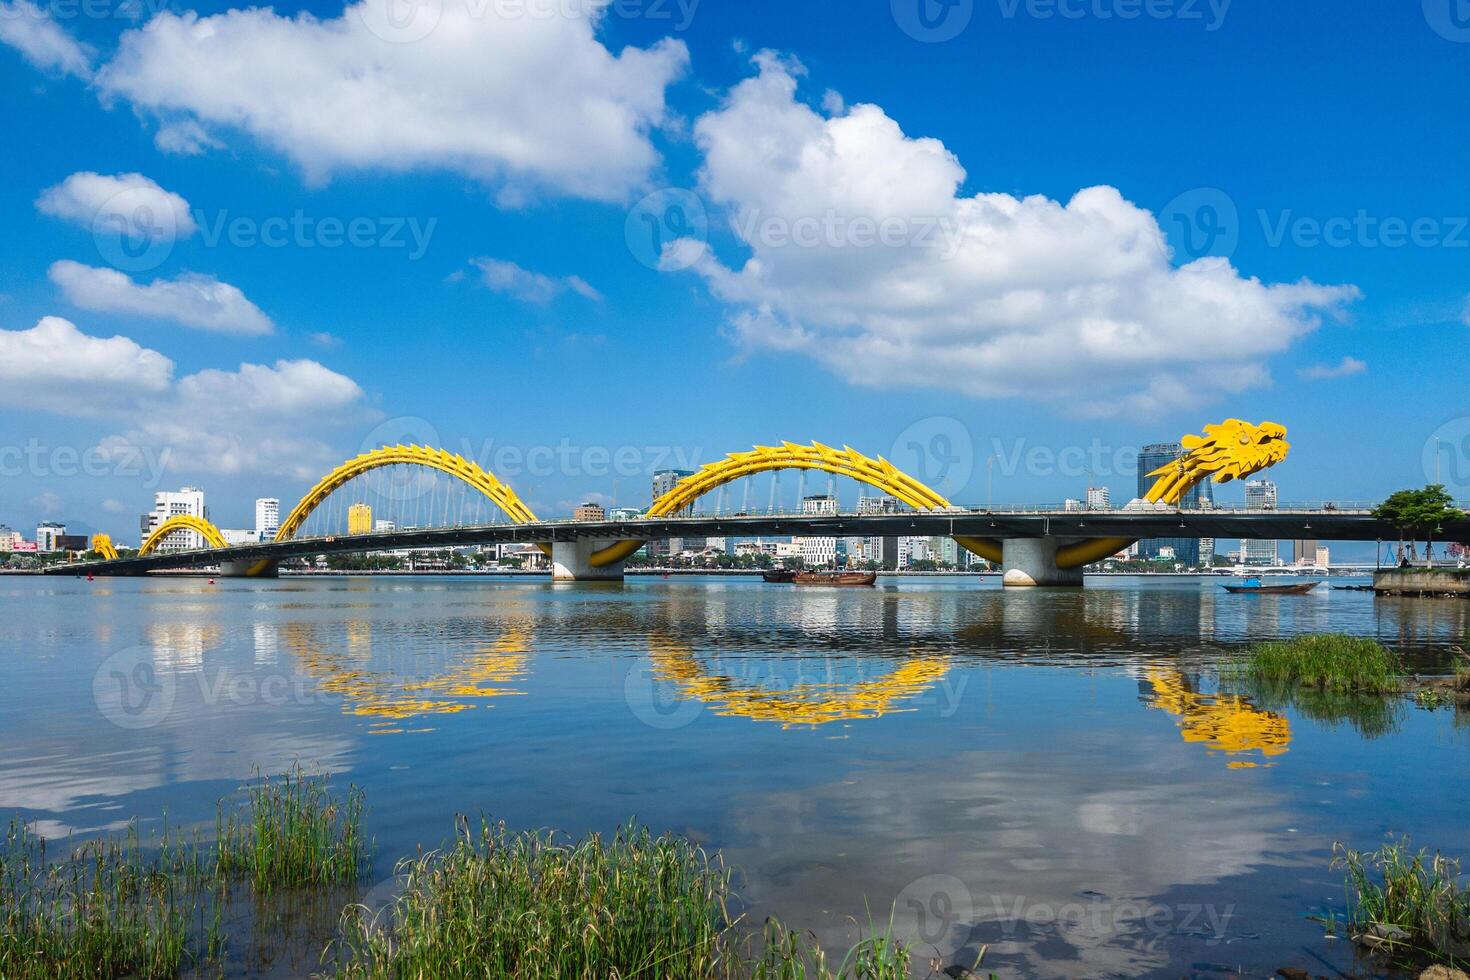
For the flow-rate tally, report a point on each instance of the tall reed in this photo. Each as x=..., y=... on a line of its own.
x=292, y=833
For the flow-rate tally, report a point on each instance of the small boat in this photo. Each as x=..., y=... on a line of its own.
x=836, y=578
x=1253, y=586
x=779, y=575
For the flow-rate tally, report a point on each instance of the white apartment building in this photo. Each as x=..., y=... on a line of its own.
x=817, y=552
x=166, y=504
x=1099, y=498
x=47, y=533
x=267, y=517
x=1259, y=495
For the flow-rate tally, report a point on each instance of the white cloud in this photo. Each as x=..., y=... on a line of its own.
x=47, y=503
x=865, y=257
x=55, y=367
x=324, y=339
x=126, y=202
x=112, y=506
x=524, y=284
x=192, y=299
x=184, y=137
x=41, y=41
x=1344, y=368
x=522, y=96
x=260, y=419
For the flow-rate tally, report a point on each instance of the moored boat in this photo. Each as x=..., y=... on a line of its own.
x=778, y=574
x=836, y=578
x=1253, y=586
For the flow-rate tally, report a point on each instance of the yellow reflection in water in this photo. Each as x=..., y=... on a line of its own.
x=390, y=697
x=1222, y=722
x=803, y=703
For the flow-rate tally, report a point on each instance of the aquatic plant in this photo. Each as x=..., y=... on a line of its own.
x=292, y=833
x=1327, y=661
x=528, y=905
x=107, y=908
x=790, y=955
x=1406, y=903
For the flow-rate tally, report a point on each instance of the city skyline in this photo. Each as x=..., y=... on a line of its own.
x=301, y=296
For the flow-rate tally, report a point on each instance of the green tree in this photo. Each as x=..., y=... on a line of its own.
x=1419, y=512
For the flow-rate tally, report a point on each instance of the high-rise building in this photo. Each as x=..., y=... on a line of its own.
x=359, y=518
x=47, y=533
x=1099, y=498
x=666, y=480
x=883, y=550
x=267, y=517
x=1259, y=495
x=167, y=504
x=663, y=482
x=818, y=551
x=588, y=511
x=1304, y=551
x=1200, y=496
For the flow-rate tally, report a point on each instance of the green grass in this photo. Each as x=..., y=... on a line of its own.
x=1326, y=661
x=107, y=908
x=534, y=906
x=529, y=905
x=292, y=833
x=1409, y=901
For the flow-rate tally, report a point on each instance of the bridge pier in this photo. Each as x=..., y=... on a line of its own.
x=249, y=569
x=569, y=561
x=1033, y=562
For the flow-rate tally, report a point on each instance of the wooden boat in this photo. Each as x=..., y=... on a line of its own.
x=778, y=574
x=836, y=578
x=1253, y=586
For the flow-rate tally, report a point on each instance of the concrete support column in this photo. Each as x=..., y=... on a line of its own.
x=569, y=561
x=249, y=569
x=1033, y=561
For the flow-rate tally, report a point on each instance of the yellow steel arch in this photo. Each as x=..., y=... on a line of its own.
x=182, y=522
x=875, y=472
x=102, y=544
x=438, y=459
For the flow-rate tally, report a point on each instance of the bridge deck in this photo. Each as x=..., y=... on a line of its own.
x=1326, y=525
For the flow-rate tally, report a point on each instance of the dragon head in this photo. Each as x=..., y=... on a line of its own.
x=1231, y=450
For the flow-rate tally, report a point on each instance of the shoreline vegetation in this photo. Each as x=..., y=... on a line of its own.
x=1335, y=665
x=496, y=902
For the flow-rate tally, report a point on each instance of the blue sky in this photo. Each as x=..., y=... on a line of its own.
x=501, y=294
